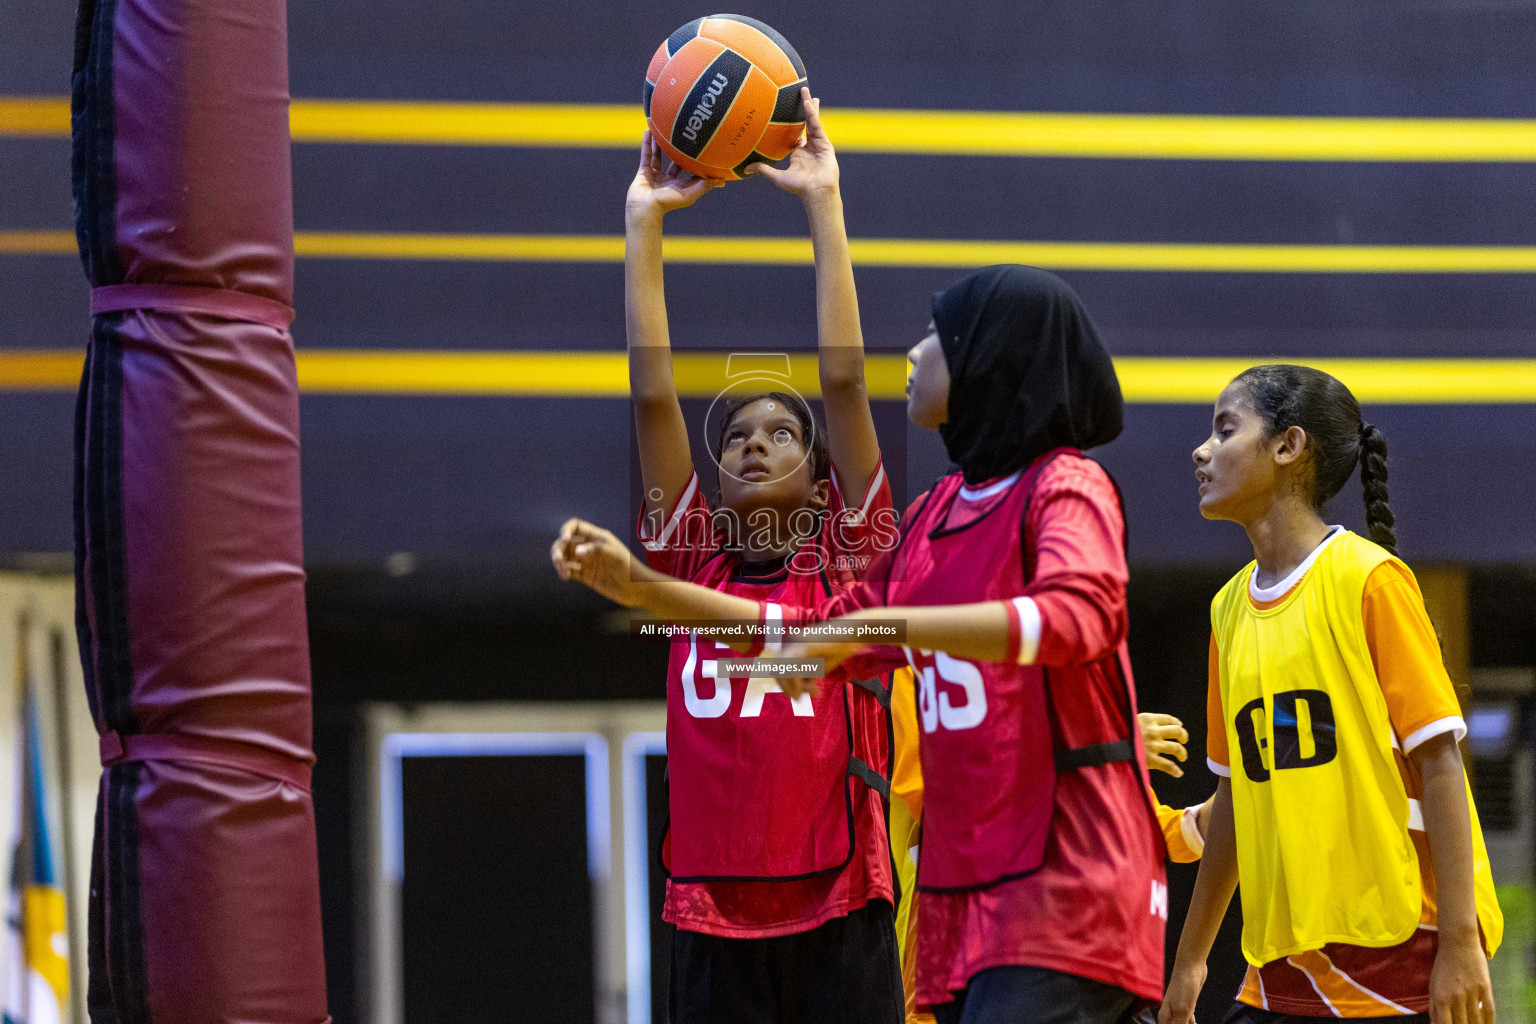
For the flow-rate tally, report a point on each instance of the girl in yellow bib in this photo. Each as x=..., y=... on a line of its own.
x=1342, y=804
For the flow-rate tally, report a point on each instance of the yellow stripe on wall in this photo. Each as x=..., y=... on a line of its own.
x=1189, y=257
x=541, y=125
x=1144, y=379
x=932, y=132
x=1181, y=136
x=38, y=243
x=939, y=253
x=1154, y=379
x=40, y=369
x=34, y=117
x=526, y=374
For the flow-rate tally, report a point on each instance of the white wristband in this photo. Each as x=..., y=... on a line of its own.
x=1029, y=629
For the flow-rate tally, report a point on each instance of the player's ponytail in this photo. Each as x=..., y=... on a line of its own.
x=1338, y=438
x=1373, y=479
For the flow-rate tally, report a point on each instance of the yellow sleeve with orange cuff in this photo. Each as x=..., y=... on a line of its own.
x=906, y=773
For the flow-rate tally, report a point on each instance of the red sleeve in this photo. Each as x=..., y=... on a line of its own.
x=858, y=527
x=878, y=586
x=1077, y=535
x=682, y=540
x=877, y=494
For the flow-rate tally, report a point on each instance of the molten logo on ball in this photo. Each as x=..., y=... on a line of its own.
x=706, y=107
x=722, y=93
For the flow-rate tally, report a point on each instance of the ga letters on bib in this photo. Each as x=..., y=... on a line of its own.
x=769, y=833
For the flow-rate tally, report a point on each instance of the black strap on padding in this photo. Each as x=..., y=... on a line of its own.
x=1095, y=754
x=875, y=686
x=871, y=778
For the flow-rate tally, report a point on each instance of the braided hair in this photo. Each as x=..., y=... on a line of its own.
x=1338, y=438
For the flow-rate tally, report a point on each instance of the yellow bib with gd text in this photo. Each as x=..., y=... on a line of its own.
x=1320, y=808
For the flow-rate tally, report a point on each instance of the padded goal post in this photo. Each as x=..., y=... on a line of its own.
x=189, y=562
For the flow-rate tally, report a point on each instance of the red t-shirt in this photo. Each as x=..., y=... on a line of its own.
x=687, y=543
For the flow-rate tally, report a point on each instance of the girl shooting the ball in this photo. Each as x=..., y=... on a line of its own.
x=777, y=845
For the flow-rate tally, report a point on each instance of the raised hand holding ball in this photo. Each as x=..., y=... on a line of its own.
x=722, y=93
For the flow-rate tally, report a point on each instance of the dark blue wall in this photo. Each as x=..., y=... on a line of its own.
x=476, y=480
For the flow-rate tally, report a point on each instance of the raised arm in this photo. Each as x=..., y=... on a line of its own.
x=660, y=186
x=812, y=174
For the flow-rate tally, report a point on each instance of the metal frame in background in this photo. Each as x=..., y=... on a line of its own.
x=637, y=872
x=393, y=732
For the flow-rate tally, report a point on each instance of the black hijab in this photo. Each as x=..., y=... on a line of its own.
x=1027, y=371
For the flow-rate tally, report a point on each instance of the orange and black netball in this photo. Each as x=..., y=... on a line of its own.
x=723, y=92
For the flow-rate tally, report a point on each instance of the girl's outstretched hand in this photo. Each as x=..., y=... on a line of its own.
x=812, y=164
x=832, y=653
x=661, y=186
x=1164, y=737
x=594, y=556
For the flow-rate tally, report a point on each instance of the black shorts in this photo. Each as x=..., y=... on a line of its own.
x=1242, y=1013
x=1036, y=995
x=844, y=972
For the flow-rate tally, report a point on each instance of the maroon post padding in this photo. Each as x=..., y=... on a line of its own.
x=205, y=894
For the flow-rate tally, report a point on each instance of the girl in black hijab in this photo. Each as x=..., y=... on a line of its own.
x=1023, y=371
x=1042, y=892
x=1040, y=849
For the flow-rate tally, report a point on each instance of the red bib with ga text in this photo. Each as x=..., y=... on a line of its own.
x=759, y=783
